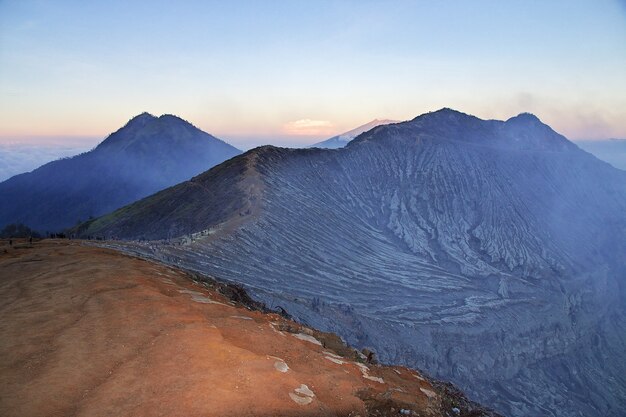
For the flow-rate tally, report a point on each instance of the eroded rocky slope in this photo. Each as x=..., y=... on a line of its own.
x=90, y=332
x=489, y=253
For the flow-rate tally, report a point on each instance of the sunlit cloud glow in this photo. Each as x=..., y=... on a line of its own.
x=308, y=127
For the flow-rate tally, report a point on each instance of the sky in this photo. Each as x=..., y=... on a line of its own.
x=294, y=72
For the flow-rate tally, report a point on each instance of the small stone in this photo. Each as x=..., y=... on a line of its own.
x=428, y=393
x=303, y=395
x=304, y=390
x=299, y=399
x=307, y=338
x=281, y=366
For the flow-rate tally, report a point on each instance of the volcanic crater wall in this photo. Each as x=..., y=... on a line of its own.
x=480, y=251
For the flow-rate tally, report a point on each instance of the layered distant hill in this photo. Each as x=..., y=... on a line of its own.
x=612, y=151
x=342, y=140
x=17, y=159
x=148, y=154
x=487, y=252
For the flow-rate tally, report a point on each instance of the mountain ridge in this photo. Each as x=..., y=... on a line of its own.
x=146, y=155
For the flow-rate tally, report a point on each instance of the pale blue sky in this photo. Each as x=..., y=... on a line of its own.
x=248, y=71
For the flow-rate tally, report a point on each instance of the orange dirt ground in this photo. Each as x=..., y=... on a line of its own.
x=86, y=331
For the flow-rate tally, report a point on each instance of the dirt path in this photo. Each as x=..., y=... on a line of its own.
x=86, y=331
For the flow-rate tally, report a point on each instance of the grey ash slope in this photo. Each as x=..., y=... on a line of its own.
x=146, y=155
x=489, y=253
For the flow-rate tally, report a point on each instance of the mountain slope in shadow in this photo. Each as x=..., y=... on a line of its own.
x=148, y=154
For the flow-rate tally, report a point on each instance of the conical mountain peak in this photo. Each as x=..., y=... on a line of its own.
x=525, y=118
x=144, y=156
x=445, y=113
x=146, y=127
x=141, y=118
x=342, y=139
x=145, y=114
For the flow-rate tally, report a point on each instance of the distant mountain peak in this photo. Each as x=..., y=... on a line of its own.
x=142, y=117
x=135, y=123
x=145, y=117
x=146, y=125
x=144, y=156
x=342, y=139
x=447, y=113
x=525, y=117
x=172, y=117
x=522, y=132
x=382, y=121
x=450, y=110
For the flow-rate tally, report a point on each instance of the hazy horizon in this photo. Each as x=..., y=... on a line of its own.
x=67, y=72
x=243, y=142
x=29, y=153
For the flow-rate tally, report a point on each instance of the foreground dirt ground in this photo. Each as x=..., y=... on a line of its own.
x=86, y=331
